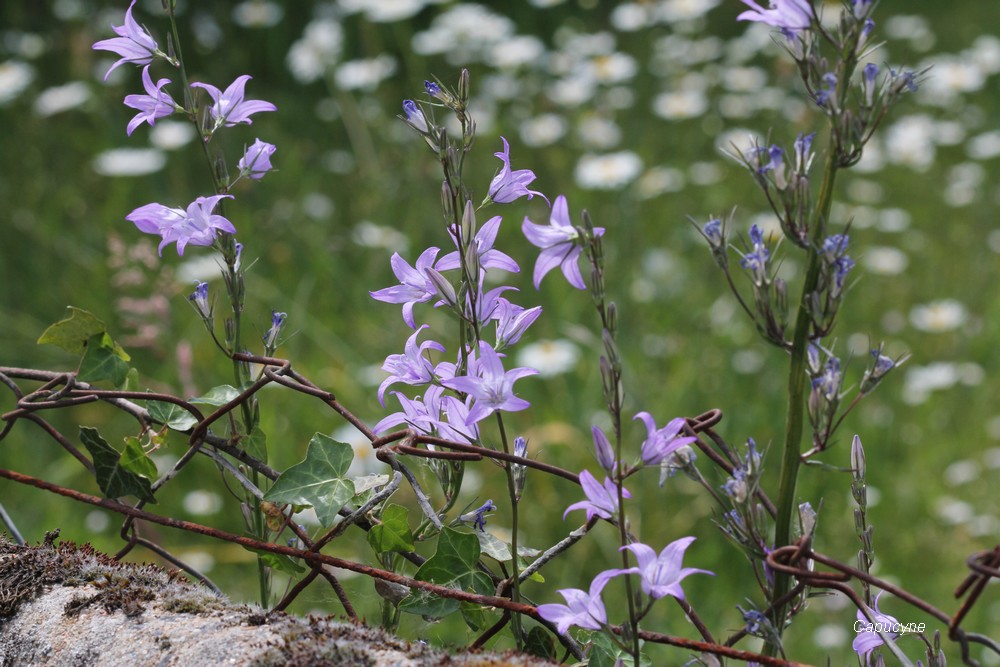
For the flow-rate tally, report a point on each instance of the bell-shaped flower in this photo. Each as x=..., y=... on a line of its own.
x=156, y=103
x=789, y=15
x=196, y=225
x=489, y=258
x=230, y=107
x=661, y=574
x=661, y=443
x=602, y=499
x=414, y=285
x=489, y=385
x=512, y=321
x=256, y=161
x=509, y=185
x=412, y=367
x=133, y=43
x=582, y=609
x=560, y=242
x=868, y=639
x=422, y=415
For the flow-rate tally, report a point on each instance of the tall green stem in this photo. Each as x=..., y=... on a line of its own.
x=794, y=423
x=515, y=619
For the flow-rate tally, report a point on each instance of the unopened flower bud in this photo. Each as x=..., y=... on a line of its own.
x=444, y=288
x=858, y=458
x=200, y=300
x=602, y=450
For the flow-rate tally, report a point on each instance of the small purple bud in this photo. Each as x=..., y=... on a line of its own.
x=271, y=336
x=803, y=153
x=200, y=300
x=433, y=89
x=478, y=516
x=256, y=161
x=868, y=83
x=239, y=255
x=415, y=117
x=713, y=232
x=519, y=470
x=602, y=450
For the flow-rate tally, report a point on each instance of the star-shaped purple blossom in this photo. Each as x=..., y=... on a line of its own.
x=661, y=575
x=489, y=385
x=790, y=15
x=423, y=415
x=867, y=639
x=414, y=286
x=509, y=185
x=196, y=225
x=582, y=609
x=230, y=107
x=411, y=367
x=602, y=500
x=133, y=43
x=489, y=258
x=560, y=242
x=156, y=103
x=661, y=443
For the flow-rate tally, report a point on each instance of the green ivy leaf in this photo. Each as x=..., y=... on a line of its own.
x=454, y=566
x=73, y=333
x=255, y=444
x=171, y=414
x=278, y=562
x=318, y=480
x=476, y=616
x=134, y=459
x=499, y=550
x=369, y=482
x=393, y=534
x=540, y=642
x=112, y=477
x=104, y=360
x=218, y=395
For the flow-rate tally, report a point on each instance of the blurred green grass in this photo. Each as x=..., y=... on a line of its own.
x=343, y=158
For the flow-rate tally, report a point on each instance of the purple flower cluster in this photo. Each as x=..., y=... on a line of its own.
x=197, y=224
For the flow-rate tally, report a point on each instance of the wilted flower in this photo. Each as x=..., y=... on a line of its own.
x=478, y=516
x=230, y=107
x=133, y=43
x=195, y=226
x=256, y=161
x=156, y=103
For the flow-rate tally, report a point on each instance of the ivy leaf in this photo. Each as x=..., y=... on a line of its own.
x=218, y=395
x=278, y=562
x=255, y=444
x=171, y=414
x=134, y=459
x=539, y=642
x=318, y=480
x=393, y=534
x=454, y=566
x=104, y=360
x=112, y=477
x=499, y=550
x=72, y=333
x=369, y=482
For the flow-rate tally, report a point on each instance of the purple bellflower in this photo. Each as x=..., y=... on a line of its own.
x=489, y=258
x=582, y=609
x=133, y=43
x=411, y=367
x=561, y=244
x=512, y=321
x=755, y=261
x=602, y=500
x=603, y=451
x=456, y=425
x=230, y=108
x=661, y=575
x=788, y=15
x=509, y=185
x=414, y=285
x=490, y=386
x=867, y=639
x=661, y=443
x=195, y=226
x=256, y=161
x=271, y=335
x=421, y=415
x=156, y=103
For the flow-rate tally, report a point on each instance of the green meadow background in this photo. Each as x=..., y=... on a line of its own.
x=622, y=107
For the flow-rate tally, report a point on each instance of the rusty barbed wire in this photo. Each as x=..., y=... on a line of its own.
x=61, y=389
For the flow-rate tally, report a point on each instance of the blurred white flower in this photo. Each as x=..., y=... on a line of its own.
x=170, y=135
x=369, y=235
x=984, y=146
x=598, y=132
x=129, y=162
x=910, y=142
x=660, y=180
x=961, y=472
x=465, y=33
x=384, y=11
x=364, y=74
x=611, y=171
x=675, y=11
x=518, y=51
x=549, y=357
x=679, y=104
x=318, y=48
x=885, y=260
x=15, y=76
x=938, y=316
x=257, y=14
x=543, y=130
x=953, y=75
x=632, y=16
x=61, y=98
x=200, y=502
